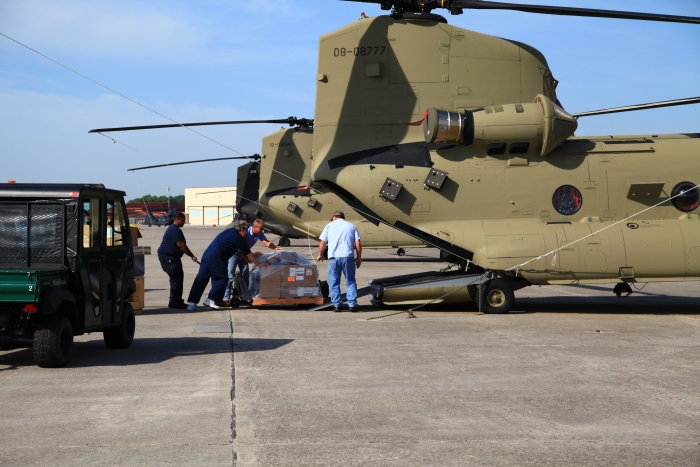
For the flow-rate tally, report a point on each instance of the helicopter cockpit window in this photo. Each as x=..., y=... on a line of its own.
x=495, y=149
x=688, y=197
x=519, y=148
x=567, y=200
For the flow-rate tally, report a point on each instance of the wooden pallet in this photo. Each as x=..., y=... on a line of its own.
x=288, y=301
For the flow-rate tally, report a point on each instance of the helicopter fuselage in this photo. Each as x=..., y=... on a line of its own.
x=505, y=197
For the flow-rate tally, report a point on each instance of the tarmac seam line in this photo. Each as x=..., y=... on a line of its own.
x=234, y=454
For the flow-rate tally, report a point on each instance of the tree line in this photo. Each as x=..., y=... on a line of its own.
x=179, y=199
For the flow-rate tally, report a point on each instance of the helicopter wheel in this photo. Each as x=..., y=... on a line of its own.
x=376, y=299
x=284, y=241
x=495, y=297
x=400, y=252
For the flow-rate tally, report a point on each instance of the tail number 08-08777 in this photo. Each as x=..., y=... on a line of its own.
x=359, y=51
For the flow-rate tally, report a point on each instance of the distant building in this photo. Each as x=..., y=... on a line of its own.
x=137, y=211
x=210, y=205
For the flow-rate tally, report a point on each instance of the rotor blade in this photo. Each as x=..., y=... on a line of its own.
x=629, y=108
x=568, y=11
x=290, y=121
x=254, y=157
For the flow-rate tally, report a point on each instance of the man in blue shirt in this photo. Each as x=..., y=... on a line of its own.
x=214, y=262
x=255, y=233
x=170, y=251
x=343, y=240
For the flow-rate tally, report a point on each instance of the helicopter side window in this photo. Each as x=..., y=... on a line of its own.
x=687, y=196
x=495, y=149
x=116, y=224
x=567, y=200
x=91, y=223
x=519, y=148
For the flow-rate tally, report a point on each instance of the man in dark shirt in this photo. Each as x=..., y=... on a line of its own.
x=215, y=264
x=170, y=251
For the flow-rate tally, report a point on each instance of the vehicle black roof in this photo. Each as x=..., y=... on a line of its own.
x=50, y=190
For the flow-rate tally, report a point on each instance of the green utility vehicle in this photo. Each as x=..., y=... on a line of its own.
x=66, y=268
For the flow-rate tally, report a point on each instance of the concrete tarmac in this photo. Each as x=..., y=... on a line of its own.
x=573, y=376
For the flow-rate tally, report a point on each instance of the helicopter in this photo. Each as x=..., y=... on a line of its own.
x=484, y=164
x=457, y=139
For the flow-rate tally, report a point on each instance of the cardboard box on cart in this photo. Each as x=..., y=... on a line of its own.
x=300, y=281
x=286, y=281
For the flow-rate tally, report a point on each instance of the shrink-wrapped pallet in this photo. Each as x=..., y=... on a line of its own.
x=289, y=275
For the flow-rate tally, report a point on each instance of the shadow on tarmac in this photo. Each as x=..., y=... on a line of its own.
x=146, y=351
x=639, y=305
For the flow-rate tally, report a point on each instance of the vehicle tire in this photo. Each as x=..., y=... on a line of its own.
x=53, y=342
x=400, y=252
x=122, y=335
x=284, y=241
x=495, y=297
x=235, y=302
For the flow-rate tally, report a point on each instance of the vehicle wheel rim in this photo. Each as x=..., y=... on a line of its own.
x=496, y=298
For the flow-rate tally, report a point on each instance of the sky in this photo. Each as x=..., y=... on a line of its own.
x=210, y=60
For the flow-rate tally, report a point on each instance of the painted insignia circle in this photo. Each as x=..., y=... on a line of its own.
x=689, y=196
x=567, y=200
x=633, y=225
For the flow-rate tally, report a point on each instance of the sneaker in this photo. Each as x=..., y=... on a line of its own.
x=193, y=307
x=178, y=306
x=353, y=309
x=336, y=309
x=211, y=304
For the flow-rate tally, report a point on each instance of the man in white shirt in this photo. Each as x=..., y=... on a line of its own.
x=342, y=239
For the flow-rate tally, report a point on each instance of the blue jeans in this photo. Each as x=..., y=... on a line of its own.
x=347, y=267
x=214, y=268
x=236, y=260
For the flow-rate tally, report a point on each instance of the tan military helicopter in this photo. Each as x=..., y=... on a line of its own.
x=457, y=139
x=489, y=170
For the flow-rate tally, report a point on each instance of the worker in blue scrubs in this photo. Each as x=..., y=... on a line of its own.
x=214, y=266
x=255, y=233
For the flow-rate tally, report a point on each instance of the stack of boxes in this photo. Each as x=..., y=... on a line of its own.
x=283, y=281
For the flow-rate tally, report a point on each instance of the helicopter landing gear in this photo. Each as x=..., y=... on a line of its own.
x=622, y=288
x=400, y=252
x=284, y=241
x=495, y=296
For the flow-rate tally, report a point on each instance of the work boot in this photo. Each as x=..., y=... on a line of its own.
x=223, y=303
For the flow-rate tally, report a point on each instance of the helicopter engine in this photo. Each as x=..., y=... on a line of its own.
x=542, y=124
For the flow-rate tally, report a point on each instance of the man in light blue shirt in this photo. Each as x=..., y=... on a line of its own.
x=343, y=240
